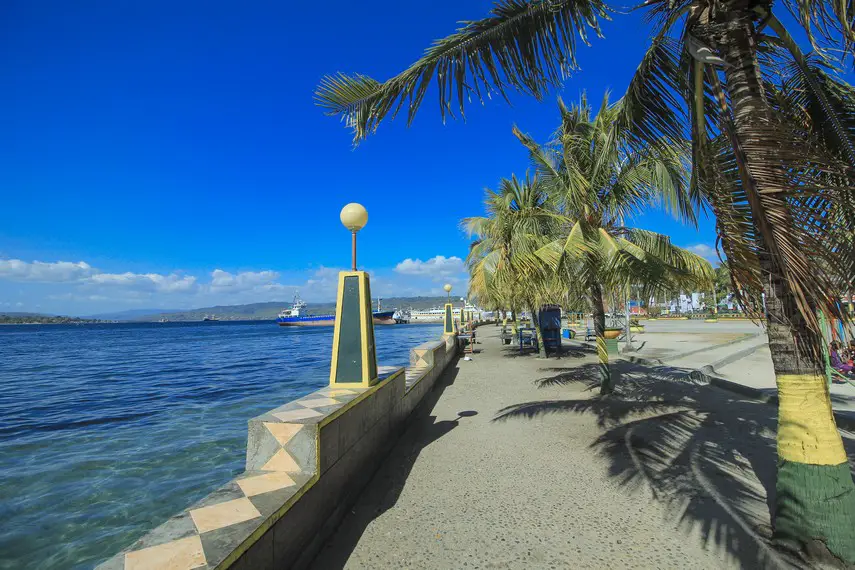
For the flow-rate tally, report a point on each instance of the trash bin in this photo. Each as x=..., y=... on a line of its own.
x=550, y=326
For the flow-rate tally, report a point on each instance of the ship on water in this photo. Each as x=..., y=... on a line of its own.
x=296, y=317
x=382, y=317
x=436, y=314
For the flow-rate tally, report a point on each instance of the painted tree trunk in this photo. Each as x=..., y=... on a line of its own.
x=815, y=494
x=535, y=321
x=606, y=386
x=627, y=324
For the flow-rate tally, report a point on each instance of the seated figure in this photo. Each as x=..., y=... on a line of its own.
x=836, y=362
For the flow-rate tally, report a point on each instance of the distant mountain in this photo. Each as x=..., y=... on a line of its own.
x=131, y=315
x=269, y=311
x=15, y=318
x=17, y=314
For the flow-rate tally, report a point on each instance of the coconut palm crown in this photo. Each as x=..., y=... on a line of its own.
x=597, y=182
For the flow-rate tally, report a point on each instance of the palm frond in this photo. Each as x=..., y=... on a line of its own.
x=523, y=45
x=653, y=109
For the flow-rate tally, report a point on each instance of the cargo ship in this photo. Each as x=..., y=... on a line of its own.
x=295, y=317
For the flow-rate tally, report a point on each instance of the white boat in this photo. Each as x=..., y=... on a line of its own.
x=436, y=314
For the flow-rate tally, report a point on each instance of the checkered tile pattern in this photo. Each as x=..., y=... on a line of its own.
x=202, y=536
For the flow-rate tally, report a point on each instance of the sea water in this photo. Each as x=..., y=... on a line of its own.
x=107, y=430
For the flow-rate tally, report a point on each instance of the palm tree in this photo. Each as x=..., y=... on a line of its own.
x=597, y=181
x=519, y=222
x=782, y=192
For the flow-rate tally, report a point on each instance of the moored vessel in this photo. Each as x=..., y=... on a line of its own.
x=294, y=316
x=382, y=317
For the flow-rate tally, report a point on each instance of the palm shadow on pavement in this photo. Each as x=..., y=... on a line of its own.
x=385, y=487
x=708, y=455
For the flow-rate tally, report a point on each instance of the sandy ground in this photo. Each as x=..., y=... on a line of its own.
x=513, y=462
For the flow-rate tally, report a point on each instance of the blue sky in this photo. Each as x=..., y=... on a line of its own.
x=169, y=154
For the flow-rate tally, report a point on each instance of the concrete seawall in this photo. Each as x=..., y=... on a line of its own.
x=306, y=462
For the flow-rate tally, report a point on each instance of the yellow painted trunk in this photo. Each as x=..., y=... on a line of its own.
x=807, y=432
x=602, y=351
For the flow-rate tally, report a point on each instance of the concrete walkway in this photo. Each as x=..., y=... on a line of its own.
x=738, y=352
x=514, y=463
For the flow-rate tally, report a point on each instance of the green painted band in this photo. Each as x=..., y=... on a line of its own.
x=816, y=502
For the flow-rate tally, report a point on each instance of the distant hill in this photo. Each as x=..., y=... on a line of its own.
x=17, y=314
x=39, y=319
x=131, y=315
x=269, y=311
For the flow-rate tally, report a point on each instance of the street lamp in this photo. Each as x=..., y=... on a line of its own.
x=447, y=288
x=354, y=217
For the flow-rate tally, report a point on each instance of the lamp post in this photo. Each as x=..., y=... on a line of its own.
x=448, y=314
x=354, y=217
x=354, y=355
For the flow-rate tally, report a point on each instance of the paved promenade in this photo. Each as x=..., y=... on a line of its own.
x=737, y=352
x=514, y=462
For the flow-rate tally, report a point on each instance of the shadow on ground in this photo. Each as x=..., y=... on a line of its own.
x=384, y=489
x=575, y=351
x=705, y=453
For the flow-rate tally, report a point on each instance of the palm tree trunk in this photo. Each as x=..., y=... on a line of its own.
x=815, y=494
x=628, y=347
x=600, y=334
x=535, y=321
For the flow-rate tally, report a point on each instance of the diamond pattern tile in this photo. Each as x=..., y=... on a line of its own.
x=318, y=402
x=283, y=432
x=224, y=514
x=183, y=554
x=281, y=461
x=294, y=415
x=257, y=485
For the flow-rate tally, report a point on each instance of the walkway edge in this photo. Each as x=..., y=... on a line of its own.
x=845, y=420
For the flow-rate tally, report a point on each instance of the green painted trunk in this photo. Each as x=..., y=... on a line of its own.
x=815, y=502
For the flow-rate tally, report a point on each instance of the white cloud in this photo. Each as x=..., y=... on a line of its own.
x=172, y=283
x=224, y=281
x=436, y=267
x=57, y=272
x=78, y=288
x=705, y=251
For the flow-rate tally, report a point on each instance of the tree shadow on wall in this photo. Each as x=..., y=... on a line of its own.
x=708, y=455
x=385, y=487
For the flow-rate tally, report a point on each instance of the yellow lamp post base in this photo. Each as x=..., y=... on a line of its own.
x=354, y=356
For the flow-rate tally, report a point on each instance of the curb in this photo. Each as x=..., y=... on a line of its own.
x=845, y=420
x=743, y=338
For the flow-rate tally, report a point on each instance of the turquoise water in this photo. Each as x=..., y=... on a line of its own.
x=108, y=430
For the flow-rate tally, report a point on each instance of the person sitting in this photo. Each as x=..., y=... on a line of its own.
x=836, y=362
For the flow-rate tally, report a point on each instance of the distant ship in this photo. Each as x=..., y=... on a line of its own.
x=210, y=318
x=382, y=317
x=294, y=316
x=436, y=314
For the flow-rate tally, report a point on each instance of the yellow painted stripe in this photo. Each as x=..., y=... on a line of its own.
x=807, y=432
x=337, y=330
x=602, y=351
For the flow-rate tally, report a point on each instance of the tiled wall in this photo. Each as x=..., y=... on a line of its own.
x=306, y=462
